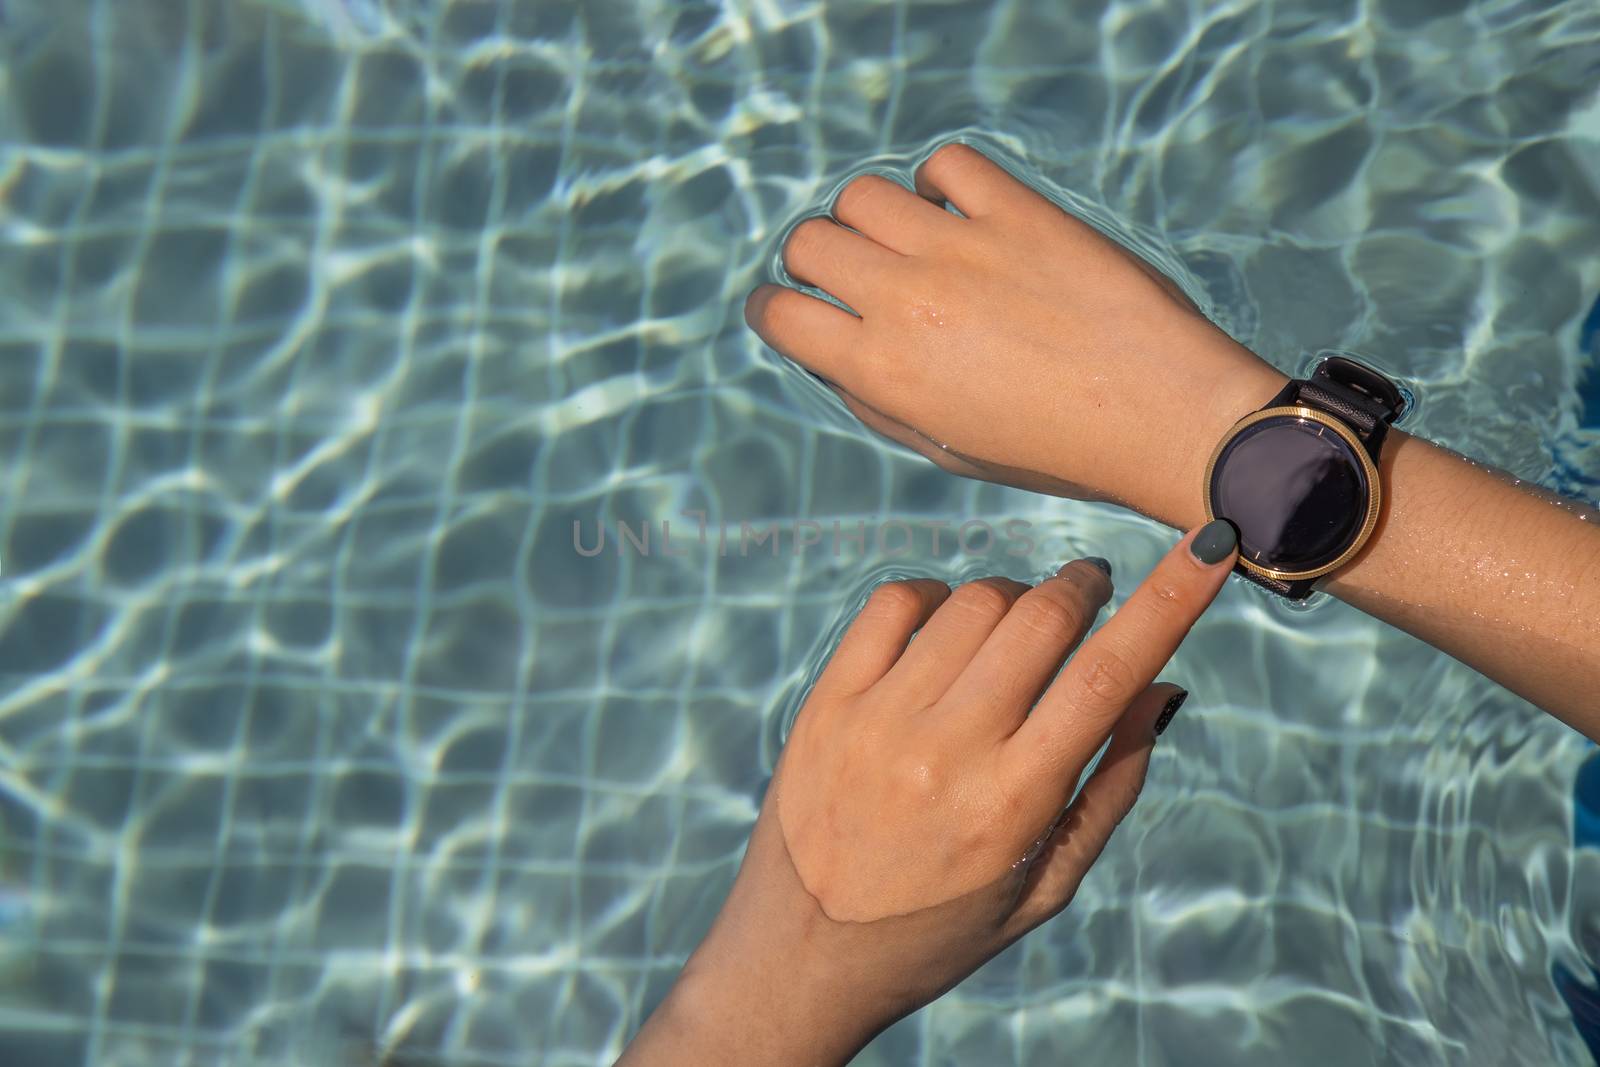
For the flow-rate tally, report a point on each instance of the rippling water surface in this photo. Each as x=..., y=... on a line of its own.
x=322, y=323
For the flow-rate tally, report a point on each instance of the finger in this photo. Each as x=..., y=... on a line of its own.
x=953, y=636
x=822, y=253
x=1087, y=825
x=1006, y=676
x=879, y=635
x=1072, y=719
x=961, y=175
x=800, y=327
x=890, y=214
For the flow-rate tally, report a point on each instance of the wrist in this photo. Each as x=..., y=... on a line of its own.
x=1198, y=413
x=771, y=982
x=739, y=1007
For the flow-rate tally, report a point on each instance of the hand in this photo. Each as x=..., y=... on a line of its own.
x=907, y=833
x=1015, y=344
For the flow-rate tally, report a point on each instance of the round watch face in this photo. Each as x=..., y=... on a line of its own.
x=1299, y=489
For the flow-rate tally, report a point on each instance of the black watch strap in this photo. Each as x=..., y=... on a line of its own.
x=1292, y=590
x=1364, y=400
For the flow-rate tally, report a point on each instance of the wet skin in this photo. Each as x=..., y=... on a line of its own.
x=919, y=820
x=1014, y=342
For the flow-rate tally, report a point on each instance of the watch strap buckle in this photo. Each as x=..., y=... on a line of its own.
x=1357, y=381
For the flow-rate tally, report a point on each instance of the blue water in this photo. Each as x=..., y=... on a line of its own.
x=321, y=324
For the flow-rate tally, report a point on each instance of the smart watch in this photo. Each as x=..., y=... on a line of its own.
x=1299, y=478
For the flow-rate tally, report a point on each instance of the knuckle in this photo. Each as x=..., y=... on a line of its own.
x=1082, y=584
x=1012, y=802
x=756, y=307
x=763, y=308
x=858, y=192
x=951, y=156
x=983, y=599
x=1108, y=677
x=804, y=238
x=893, y=601
x=1050, y=618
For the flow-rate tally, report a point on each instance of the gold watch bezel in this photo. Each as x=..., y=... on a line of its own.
x=1374, y=486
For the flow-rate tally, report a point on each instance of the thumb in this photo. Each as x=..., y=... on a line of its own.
x=1088, y=822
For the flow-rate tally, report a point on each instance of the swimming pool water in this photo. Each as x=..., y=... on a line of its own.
x=322, y=323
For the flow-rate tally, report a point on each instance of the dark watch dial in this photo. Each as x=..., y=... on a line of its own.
x=1296, y=489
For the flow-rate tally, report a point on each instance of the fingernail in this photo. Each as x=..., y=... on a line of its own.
x=1167, y=712
x=1215, y=541
x=1101, y=562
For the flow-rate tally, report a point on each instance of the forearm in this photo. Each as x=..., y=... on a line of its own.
x=765, y=985
x=1496, y=575
x=1500, y=576
x=728, y=1014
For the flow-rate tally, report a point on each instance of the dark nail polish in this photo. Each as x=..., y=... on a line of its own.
x=1101, y=562
x=1173, y=704
x=1215, y=541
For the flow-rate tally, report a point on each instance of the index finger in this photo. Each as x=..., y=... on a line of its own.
x=1076, y=714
